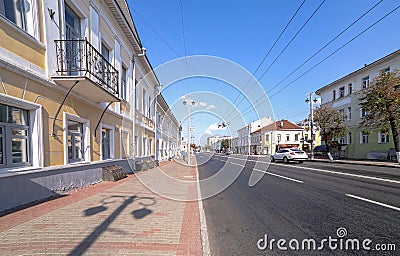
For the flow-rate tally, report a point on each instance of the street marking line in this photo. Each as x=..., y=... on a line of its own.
x=341, y=173
x=241, y=165
x=374, y=202
x=280, y=176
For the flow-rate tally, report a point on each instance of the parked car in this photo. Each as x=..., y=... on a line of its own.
x=289, y=154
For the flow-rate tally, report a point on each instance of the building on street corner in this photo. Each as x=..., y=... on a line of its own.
x=344, y=95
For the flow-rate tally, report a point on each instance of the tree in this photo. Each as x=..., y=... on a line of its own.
x=381, y=100
x=225, y=143
x=330, y=122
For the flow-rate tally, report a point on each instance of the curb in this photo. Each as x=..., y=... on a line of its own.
x=356, y=162
x=203, y=224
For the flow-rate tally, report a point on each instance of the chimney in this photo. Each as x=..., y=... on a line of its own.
x=281, y=124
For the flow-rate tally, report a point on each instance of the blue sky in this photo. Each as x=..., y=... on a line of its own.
x=243, y=32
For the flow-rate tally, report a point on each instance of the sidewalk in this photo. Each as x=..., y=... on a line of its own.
x=110, y=218
x=359, y=162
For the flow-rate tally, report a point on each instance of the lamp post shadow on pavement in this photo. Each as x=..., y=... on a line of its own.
x=92, y=237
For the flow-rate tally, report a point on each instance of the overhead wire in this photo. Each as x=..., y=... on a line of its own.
x=269, y=51
x=248, y=110
x=326, y=45
x=287, y=45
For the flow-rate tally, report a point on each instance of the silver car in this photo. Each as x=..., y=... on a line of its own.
x=289, y=154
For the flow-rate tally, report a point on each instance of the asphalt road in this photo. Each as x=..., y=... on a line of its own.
x=294, y=202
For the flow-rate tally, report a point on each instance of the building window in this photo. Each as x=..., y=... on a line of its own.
x=123, y=83
x=342, y=140
x=107, y=143
x=365, y=82
x=14, y=136
x=75, y=141
x=334, y=95
x=341, y=92
x=137, y=95
x=144, y=146
x=348, y=113
x=15, y=11
x=342, y=115
x=349, y=139
x=136, y=145
x=278, y=138
x=383, y=137
x=150, y=149
x=287, y=137
x=125, y=150
x=363, y=112
x=149, y=109
x=267, y=137
x=385, y=70
x=350, y=88
x=296, y=137
x=144, y=103
x=363, y=137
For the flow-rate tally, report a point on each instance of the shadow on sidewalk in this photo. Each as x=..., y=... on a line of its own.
x=126, y=201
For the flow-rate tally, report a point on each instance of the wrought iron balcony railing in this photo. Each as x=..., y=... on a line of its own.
x=78, y=58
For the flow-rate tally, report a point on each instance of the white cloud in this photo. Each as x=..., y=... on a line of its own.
x=213, y=127
x=211, y=107
x=203, y=104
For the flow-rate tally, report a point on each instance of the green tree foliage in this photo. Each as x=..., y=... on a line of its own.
x=382, y=101
x=330, y=122
x=225, y=143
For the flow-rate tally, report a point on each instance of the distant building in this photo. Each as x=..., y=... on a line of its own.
x=344, y=95
x=168, y=131
x=244, y=145
x=281, y=134
x=306, y=135
x=215, y=141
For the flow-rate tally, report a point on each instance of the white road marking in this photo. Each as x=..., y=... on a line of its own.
x=342, y=173
x=374, y=202
x=280, y=176
x=241, y=165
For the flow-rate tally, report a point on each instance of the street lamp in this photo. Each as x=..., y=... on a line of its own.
x=187, y=102
x=311, y=101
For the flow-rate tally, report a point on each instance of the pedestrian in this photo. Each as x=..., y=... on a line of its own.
x=183, y=155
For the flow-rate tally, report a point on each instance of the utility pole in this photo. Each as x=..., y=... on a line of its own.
x=188, y=102
x=311, y=101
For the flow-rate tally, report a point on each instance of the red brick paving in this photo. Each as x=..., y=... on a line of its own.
x=60, y=226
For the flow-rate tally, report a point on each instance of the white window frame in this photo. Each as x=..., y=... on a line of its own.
x=86, y=139
x=29, y=27
x=386, y=138
x=137, y=94
x=144, y=102
x=128, y=149
x=349, y=138
x=362, y=137
x=111, y=128
x=35, y=129
x=342, y=92
x=349, y=113
x=341, y=111
x=137, y=144
x=349, y=88
x=363, y=113
x=144, y=146
x=365, y=82
x=124, y=90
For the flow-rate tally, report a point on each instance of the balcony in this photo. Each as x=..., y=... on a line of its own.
x=78, y=60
